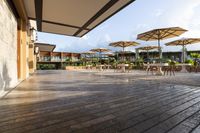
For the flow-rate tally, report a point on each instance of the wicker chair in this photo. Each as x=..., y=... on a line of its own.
x=152, y=69
x=171, y=68
x=129, y=68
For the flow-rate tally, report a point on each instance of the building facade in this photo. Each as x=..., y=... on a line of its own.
x=17, y=59
x=58, y=60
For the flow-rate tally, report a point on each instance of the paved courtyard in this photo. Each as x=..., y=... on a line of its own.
x=81, y=102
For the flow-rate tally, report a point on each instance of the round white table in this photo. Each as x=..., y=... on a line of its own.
x=183, y=65
x=159, y=66
x=123, y=67
x=100, y=67
x=88, y=66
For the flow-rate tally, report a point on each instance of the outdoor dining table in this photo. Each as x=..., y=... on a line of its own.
x=183, y=65
x=88, y=66
x=159, y=67
x=107, y=66
x=100, y=67
x=123, y=67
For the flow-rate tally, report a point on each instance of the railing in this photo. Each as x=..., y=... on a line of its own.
x=45, y=58
x=55, y=58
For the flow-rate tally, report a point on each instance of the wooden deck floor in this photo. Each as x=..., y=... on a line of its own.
x=62, y=102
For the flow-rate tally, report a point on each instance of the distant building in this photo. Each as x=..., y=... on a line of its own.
x=131, y=56
x=57, y=60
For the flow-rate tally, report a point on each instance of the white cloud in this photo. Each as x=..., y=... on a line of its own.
x=108, y=38
x=181, y=15
x=185, y=15
x=85, y=37
x=158, y=12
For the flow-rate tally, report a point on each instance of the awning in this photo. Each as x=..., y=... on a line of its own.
x=45, y=47
x=71, y=17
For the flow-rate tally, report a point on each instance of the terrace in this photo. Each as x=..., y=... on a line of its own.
x=85, y=102
x=104, y=91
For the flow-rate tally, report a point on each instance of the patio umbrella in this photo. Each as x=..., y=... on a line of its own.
x=147, y=48
x=123, y=44
x=100, y=50
x=161, y=34
x=109, y=56
x=137, y=56
x=88, y=53
x=183, y=42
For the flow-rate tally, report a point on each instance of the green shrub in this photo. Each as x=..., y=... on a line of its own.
x=190, y=61
x=139, y=63
x=195, y=55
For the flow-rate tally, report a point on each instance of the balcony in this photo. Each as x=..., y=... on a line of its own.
x=56, y=59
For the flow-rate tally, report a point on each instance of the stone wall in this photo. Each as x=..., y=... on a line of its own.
x=8, y=48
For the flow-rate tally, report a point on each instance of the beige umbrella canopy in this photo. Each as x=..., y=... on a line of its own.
x=88, y=52
x=100, y=50
x=109, y=54
x=123, y=44
x=183, y=42
x=147, y=48
x=161, y=34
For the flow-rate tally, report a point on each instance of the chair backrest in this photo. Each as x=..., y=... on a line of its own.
x=196, y=63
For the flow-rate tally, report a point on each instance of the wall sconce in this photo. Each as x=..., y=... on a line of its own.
x=36, y=50
x=33, y=34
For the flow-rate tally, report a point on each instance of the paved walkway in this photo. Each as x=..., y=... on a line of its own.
x=81, y=102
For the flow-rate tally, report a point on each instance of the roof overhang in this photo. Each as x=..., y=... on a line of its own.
x=71, y=17
x=45, y=47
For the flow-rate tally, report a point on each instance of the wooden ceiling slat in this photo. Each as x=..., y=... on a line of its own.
x=108, y=10
x=98, y=14
x=38, y=13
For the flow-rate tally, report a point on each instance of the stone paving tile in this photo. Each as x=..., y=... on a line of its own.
x=82, y=102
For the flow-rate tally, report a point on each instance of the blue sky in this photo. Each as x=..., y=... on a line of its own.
x=140, y=16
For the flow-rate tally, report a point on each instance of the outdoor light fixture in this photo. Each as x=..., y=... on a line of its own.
x=36, y=50
x=33, y=34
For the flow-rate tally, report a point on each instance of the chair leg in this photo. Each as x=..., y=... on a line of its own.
x=164, y=72
x=172, y=71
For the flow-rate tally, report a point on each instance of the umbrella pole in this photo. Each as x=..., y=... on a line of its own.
x=85, y=60
x=147, y=54
x=99, y=57
x=159, y=72
x=123, y=55
x=183, y=54
x=137, y=54
x=159, y=49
